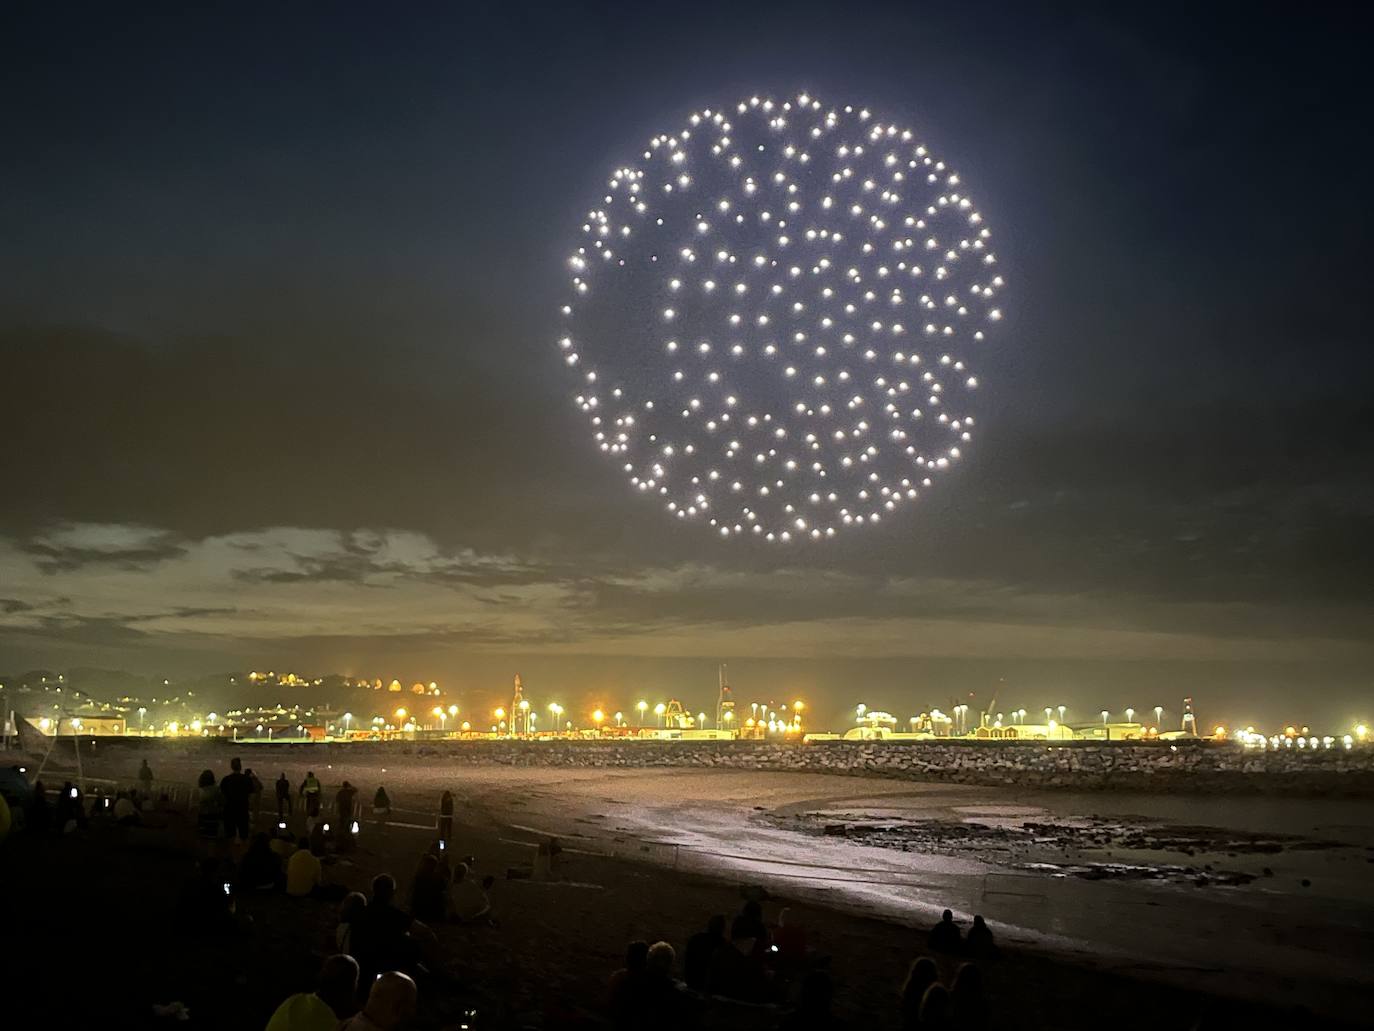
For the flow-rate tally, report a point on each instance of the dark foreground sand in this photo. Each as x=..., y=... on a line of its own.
x=94, y=936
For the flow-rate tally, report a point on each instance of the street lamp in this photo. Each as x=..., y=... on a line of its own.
x=620, y=719
x=1130, y=714
x=142, y=711
x=1159, y=717
x=1048, y=711
x=453, y=710
x=557, y=711
x=701, y=719
x=1061, y=713
x=597, y=717
x=438, y=710
x=641, y=706
x=348, y=720
x=659, y=710
x=525, y=715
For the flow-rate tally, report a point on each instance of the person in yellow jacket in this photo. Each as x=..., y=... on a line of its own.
x=330, y=1002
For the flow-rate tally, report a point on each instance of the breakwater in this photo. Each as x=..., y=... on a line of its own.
x=1184, y=766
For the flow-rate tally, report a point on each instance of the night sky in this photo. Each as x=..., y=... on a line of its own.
x=278, y=302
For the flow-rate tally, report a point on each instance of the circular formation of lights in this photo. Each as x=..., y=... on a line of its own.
x=776, y=316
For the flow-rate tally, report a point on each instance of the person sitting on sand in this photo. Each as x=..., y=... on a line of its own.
x=283, y=844
x=469, y=900
x=381, y=802
x=391, y=1004
x=386, y=937
x=625, y=997
x=206, y=904
x=978, y=942
x=304, y=871
x=922, y=975
x=350, y=909
x=39, y=816
x=736, y=971
x=125, y=812
x=662, y=1001
x=969, y=1006
x=748, y=923
x=319, y=844
x=944, y=936
x=814, y=1005
x=935, y=1008
x=71, y=809
x=260, y=869
x=790, y=939
x=429, y=891
x=336, y=986
x=700, y=948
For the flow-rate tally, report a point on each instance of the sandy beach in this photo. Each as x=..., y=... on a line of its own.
x=1199, y=904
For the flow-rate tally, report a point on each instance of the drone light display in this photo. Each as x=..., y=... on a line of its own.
x=776, y=317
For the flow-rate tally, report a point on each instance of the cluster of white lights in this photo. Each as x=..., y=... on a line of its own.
x=776, y=315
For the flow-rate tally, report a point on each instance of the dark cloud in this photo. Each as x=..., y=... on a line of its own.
x=54, y=556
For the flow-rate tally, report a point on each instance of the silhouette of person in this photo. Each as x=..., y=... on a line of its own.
x=945, y=936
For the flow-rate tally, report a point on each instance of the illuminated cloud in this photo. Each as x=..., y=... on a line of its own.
x=373, y=591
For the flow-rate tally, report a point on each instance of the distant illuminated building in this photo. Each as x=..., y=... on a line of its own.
x=519, y=710
x=725, y=702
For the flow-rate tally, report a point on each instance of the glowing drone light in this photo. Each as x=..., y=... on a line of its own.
x=775, y=318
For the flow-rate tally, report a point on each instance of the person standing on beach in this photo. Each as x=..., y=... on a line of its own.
x=145, y=779
x=310, y=793
x=254, y=792
x=283, y=797
x=237, y=791
x=446, y=816
x=346, y=804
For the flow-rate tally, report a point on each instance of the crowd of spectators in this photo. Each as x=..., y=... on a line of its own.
x=773, y=967
x=387, y=948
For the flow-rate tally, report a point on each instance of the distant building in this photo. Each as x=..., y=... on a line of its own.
x=85, y=726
